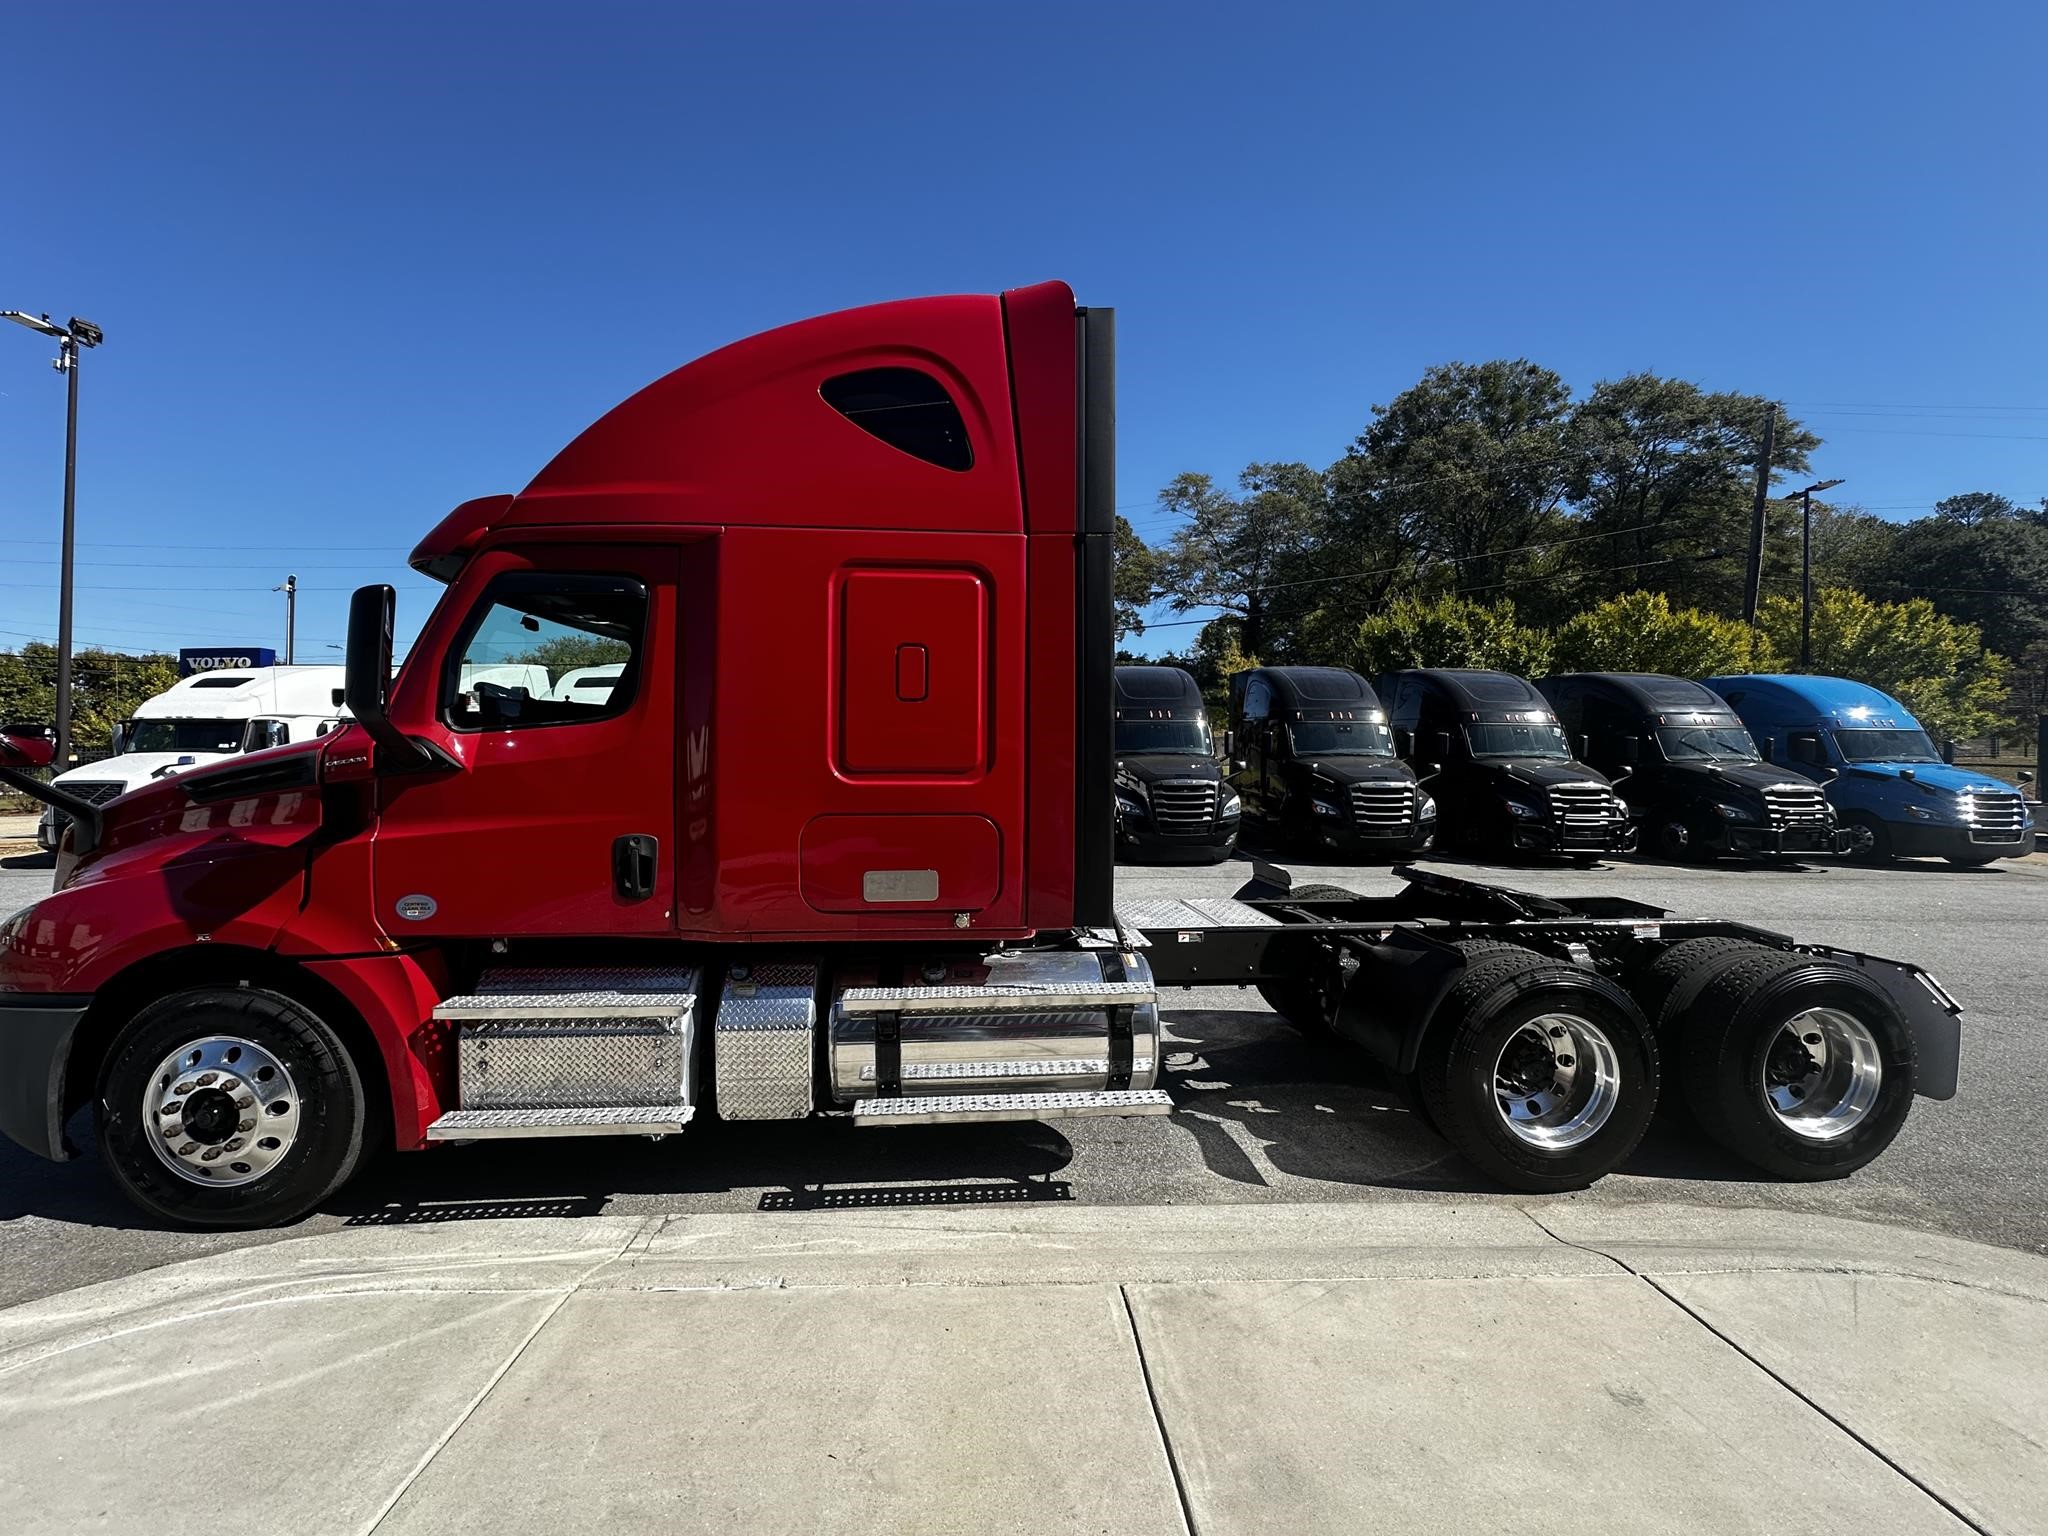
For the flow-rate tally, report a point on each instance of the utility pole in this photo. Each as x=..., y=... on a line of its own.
x=290, y=589
x=79, y=333
x=1806, y=571
x=1752, y=589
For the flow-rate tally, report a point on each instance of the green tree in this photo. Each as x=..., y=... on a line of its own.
x=1934, y=665
x=1441, y=631
x=1464, y=470
x=105, y=688
x=1232, y=551
x=1137, y=570
x=1642, y=632
x=1983, y=560
x=563, y=654
x=1851, y=547
x=1666, y=472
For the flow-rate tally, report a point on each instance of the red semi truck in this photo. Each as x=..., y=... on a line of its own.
x=824, y=829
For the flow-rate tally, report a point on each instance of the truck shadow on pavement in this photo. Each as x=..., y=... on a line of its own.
x=1251, y=1091
x=794, y=1166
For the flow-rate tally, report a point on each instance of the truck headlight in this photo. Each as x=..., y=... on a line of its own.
x=1425, y=809
x=1128, y=805
x=1231, y=804
x=1729, y=810
x=1524, y=810
x=1324, y=808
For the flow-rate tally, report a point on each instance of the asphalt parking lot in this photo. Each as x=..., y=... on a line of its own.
x=1264, y=1115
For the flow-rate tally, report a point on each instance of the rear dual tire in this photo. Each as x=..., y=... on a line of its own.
x=1542, y=1075
x=1802, y=1067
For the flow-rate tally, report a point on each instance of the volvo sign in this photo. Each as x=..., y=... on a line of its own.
x=224, y=659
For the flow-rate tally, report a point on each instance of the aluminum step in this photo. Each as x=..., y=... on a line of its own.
x=997, y=998
x=576, y=992
x=619, y=1120
x=961, y=1108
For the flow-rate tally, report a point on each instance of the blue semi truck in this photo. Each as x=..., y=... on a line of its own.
x=1894, y=794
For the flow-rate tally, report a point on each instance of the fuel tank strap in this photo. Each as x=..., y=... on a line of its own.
x=1119, y=1052
x=889, y=1038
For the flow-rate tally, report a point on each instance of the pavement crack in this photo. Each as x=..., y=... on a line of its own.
x=491, y=1385
x=1180, y=1486
x=1783, y=1381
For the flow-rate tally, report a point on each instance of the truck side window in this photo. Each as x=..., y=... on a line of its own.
x=545, y=648
x=905, y=408
x=266, y=733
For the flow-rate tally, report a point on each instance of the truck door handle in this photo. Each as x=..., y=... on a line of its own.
x=635, y=858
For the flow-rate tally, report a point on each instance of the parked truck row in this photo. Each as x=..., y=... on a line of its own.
x=877, y=887
x=1318, y=761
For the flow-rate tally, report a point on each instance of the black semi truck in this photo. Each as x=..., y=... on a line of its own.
x=1314, y=763
x=1489, y=747
x=1172, y=804
x=1687, y=769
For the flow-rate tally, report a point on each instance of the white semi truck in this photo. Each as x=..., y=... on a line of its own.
x=201, y=719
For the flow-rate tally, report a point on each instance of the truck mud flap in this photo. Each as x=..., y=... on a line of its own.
x=1389, y=1000
x=1933, y=1016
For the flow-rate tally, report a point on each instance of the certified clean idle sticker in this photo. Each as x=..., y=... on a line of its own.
x=417, y=909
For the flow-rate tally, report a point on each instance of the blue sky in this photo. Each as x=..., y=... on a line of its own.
x=357, y=264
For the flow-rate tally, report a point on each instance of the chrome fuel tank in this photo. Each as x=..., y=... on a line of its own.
x=1017, y=1021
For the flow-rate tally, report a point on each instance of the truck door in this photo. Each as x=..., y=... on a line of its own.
x=1257, y=746
x=560, y=818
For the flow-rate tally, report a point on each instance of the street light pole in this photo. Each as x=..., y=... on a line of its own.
x=290, y=589
x=67, y=360
x=1806, y=571
x=70, y=338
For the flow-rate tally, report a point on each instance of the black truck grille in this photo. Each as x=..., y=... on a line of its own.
x=1390, y=805
x=1585, y=813
x=97, y=792
x=1184, y=806
x=1795, y=805
x=1995, y=817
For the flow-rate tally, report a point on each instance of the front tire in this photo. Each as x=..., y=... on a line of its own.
x=1542, y=1075
x=1870, y=840
x=230, y=1108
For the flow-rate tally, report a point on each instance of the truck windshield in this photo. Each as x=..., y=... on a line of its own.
x=1507, y=739
x=1886, y=747
x=1136, y=737
x=1706, y=744
x=185, y=735
x=1341, y=738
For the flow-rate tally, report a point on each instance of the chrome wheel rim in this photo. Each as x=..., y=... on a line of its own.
x=1556, y=1081
x=1822, y=1073
x=220, y=1111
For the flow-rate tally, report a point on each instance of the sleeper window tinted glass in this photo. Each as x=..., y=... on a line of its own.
x=545, y=648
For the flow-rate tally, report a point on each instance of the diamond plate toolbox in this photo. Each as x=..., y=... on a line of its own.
x=575, y=1063
x=763, y=1042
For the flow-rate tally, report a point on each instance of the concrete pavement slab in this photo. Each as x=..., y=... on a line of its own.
x=301, y=1414
x=1949, y=1381
x=466, y=1257
x=989, y=1409
x=1485, y=1405
x=1084, y=1244
x=1669, y=1238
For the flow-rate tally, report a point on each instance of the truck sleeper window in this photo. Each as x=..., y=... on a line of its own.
x=546, y=648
